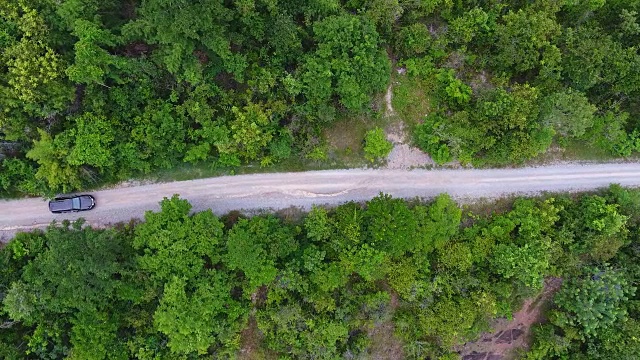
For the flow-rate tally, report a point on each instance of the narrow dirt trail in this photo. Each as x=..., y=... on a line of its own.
x=332, y=187
x=403, y=155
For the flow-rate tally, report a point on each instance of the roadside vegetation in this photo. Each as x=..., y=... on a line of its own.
x=411, y=277
x=96, y=92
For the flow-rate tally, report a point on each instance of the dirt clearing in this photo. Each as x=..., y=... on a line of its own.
x=510, y=336
x=384, y=343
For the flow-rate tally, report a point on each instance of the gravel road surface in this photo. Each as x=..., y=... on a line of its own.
x=333, y=187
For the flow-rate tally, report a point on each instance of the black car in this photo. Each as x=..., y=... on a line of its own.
x=72, y=204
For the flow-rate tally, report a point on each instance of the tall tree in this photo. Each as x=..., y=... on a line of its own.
x=348, y=62
x=180, y=28
x=568, y=112
x=523, y=37
x=173, y=243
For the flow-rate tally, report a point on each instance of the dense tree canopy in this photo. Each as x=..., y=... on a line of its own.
x=99, y=91
x=164, y=82
x=183, y=285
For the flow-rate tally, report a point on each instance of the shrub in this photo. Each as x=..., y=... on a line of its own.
x=376, y=145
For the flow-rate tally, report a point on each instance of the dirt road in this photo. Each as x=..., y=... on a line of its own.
x=282, y=190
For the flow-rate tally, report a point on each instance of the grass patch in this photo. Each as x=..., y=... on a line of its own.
x=345, y=139
x=578, y=150
x=412, y=98
x=584, y=151
x=189, y=171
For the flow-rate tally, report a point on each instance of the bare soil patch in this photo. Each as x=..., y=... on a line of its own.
x=251, y=339
x=387, y=98
x=384, y=343
x=403, y=155
x=509, y=336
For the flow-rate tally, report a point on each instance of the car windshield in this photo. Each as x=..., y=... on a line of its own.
x=75, y=203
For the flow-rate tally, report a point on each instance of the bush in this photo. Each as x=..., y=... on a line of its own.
x=453, y=91
x=426, y=139
x=376, y=145
x=413, y=40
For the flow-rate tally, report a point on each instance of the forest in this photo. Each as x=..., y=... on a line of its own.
x=317, y=285
x=94, y=92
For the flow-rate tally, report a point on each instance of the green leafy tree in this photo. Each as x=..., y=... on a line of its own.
x=255, y=245
x=605, y=228
x=413, y=40
x=50, y=154
x=437, y=224
x=524, y=239
x=211, y=135
x=347, y=63
x=593, y=60
x=569, y=113
x=527, y=264
x=251, y=131
x=463, y=29
x=94, y=336
x=92, y=62
x=173, y=243
x=67, y=288
x=76, y=272
x=158, y=135
x=19, y=176
x=608, y=133
x=317, y=224
x=180, y=28
x=454, y=91
x=453, y=319
x=390, y=225
x=593, y=302
x=93, y=138
x=408, y=277
x=510, y=126
x=33, y=88
x=194, y=319
x=426, y=136
x=523, y=37
x=455, y=256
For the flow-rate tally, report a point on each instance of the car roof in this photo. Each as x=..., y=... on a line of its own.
x=60, y=204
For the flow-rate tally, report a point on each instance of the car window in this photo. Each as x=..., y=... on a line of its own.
x=75, y=203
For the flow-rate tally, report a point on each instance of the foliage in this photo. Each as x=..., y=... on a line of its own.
x=182, y=285
x=594, y=301
x=226, y=83
x=191, y=320
x=172, y=243
x=376, y=146
x=503, y=128
x=569, y=113
x=347, y=63
x=455, y=91
x=413, y=40
x=523, y=37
